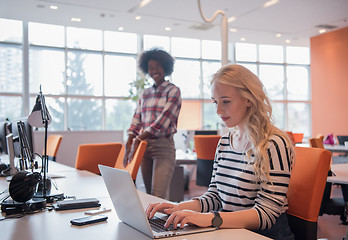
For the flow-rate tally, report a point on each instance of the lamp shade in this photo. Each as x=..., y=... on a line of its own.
x=36, y=118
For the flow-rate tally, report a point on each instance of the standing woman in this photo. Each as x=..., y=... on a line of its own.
x=155, y=120
x=252, y=164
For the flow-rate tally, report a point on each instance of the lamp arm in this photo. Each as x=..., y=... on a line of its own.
x=214, y=15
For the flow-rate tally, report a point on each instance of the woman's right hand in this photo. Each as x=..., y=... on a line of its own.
x=128, y=147
x=165, y=207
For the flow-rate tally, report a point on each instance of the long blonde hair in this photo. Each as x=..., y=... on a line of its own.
x=258, y=119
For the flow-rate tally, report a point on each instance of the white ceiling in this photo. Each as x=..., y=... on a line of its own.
x=296, y=20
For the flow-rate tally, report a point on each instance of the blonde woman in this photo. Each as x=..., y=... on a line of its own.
x=252, y=164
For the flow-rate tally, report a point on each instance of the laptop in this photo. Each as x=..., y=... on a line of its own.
x=130, y=210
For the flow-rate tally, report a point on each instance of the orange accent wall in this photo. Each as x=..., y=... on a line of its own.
x=329, y=77
x=190, y=115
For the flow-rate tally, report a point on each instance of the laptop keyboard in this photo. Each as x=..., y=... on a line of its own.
x=157, y=224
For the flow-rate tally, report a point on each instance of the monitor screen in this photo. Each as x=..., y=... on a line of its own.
x=206, y=132
x=3, y=134
x=29, y=133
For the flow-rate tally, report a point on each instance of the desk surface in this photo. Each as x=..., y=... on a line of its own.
x=82, y=184
x=336, y=148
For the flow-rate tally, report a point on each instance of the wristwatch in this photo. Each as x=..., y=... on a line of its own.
x=217, y=220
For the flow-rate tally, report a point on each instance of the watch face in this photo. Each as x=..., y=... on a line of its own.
x=217, y=220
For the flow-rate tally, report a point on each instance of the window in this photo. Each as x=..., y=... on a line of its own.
x=120, y=71
x=53, y=34
x=186, y=77
x=47, y=68
x=85, y=75
x=186, y=47
x=120, y=42
x=84, y=38
x=11, y=62
x=11, y=31
x=151, y=41
x=284, y=72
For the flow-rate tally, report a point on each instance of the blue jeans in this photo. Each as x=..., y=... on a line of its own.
x=280, y=230
x=158, y=166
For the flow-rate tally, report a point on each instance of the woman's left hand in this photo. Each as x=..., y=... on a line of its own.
x=189, y=217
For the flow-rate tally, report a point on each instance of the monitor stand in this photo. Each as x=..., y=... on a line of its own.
x=11, y=157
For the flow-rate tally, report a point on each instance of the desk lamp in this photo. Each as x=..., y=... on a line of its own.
x=40, y=117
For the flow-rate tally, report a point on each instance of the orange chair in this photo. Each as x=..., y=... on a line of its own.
x=53, y=143
x=306, y=188
x=90, y=155
x=205, y=146
x=291, y=137
x=316, y=143
x=134, y=165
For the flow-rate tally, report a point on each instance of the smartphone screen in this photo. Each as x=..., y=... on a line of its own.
x=88, y=220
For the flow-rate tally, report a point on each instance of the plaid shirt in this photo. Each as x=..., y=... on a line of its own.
x=157, y=111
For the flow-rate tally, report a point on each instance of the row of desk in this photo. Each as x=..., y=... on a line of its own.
x=82, y=184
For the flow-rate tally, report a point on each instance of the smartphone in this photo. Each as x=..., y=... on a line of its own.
x=99, y=211
x=88, y=220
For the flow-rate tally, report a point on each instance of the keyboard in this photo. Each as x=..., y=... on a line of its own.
x=157, y=224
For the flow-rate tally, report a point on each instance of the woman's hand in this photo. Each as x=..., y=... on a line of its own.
x=126, y=153
x=165, y=207
x=189, y=217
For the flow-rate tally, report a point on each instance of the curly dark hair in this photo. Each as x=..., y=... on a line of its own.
x=159, y=55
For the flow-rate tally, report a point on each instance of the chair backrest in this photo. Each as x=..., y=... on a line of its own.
x=291, y=137
x=316, y=143
x=53, y=143
x=306, y=188
x=205, y=146
x=90, y=155
x=134, y=165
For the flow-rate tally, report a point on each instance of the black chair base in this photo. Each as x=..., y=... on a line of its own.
x=302, y=229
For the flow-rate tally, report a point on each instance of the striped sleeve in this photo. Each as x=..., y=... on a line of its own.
x=271, y=200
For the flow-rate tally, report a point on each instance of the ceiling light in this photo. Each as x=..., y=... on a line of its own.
x=323, y=30
x=278, y=35
x=242, y=39
x=144, y=3
x=270, y=3
x=231, y=19
x=168, y=28
x=233, y=30
x=137, y=17
x=53, y=7
x=76, y=19
x=287, y=41
x=120, y=28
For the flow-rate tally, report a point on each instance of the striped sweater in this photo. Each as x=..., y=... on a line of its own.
x=234, y=185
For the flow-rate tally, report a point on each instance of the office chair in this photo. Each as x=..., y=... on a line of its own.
x=331, y=206
x=306, y=190
x=291, y=137
x=134, y=165
x=90, y=155
x=205, y=146
x=53, y=143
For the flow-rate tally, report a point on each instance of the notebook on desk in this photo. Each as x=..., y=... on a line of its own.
x=130, y=210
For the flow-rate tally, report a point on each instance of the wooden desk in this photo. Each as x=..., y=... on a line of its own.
x=56, y=225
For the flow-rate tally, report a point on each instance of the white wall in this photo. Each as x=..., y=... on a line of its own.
x=72, y=139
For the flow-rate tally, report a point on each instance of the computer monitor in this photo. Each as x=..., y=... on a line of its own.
x=3, y=134
x=206, y=132
x=29, y=133
x=342, y=139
